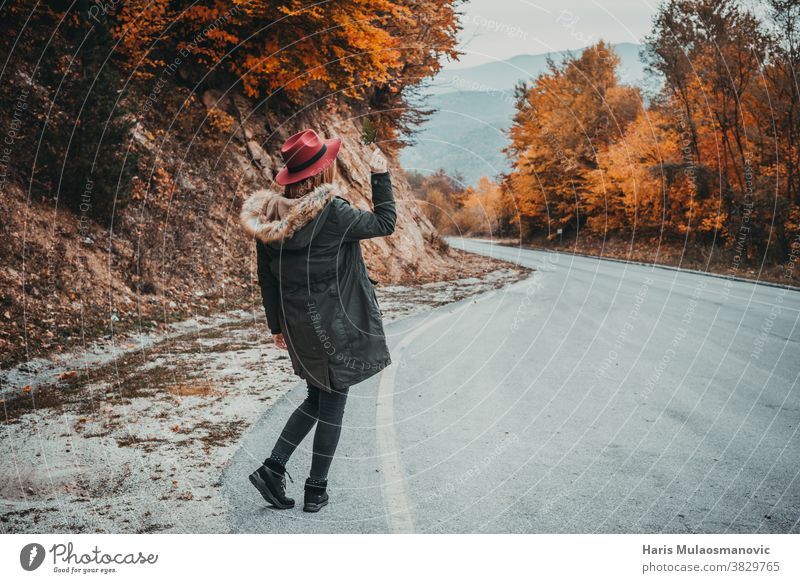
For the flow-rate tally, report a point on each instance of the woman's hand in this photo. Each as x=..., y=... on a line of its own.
x=378, y=163
x=280, y=341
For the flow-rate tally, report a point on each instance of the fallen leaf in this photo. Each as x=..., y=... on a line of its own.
x=69, y=375
x=176, y=428
x=26, y=389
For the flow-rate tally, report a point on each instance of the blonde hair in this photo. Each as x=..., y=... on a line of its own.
x=303, y=187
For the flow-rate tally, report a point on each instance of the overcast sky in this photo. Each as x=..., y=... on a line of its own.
x=499, y=29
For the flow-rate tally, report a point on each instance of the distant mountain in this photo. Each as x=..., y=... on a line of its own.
x=503, y=75
x=464, y=135
x=475, y=105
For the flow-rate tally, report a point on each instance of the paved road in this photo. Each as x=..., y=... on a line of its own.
x=595, y=396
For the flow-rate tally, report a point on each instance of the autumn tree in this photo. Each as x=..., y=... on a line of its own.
x=710, y=53
x=457, y=209
x=369, y=54
x=646, y=184
x=441, y=196
x=562, y=119
x=714, y=158
x=776, y=103
x=482, y=209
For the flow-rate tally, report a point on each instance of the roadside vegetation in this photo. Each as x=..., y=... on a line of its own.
x=703, y=170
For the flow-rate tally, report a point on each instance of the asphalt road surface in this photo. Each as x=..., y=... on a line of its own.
x=595, y=396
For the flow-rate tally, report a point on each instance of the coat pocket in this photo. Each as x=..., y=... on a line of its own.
x=375, y=302
x=343, y=330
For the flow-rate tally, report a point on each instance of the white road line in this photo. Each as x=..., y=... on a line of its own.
x=395, y=497
x=399, y=510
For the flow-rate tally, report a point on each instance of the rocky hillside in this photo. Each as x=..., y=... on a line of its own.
x=176, y=249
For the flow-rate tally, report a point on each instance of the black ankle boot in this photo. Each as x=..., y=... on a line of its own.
x=316, y=496
x=270, y=481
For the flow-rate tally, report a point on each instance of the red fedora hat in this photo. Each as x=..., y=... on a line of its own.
x=306, y=154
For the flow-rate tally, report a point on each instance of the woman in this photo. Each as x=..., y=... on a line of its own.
x=318, y=297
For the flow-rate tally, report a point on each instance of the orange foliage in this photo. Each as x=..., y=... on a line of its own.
x=563, y=119
x=715, y=156
x=364, y=51
x=290, y=45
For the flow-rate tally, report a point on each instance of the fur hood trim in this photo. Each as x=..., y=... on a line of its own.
x=270, y=226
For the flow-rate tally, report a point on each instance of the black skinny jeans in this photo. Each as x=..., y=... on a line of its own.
x=319, y=406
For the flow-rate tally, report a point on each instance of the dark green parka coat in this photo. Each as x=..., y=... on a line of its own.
x=314, y=283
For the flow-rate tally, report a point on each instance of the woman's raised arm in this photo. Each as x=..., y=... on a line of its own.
x=356, y=224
